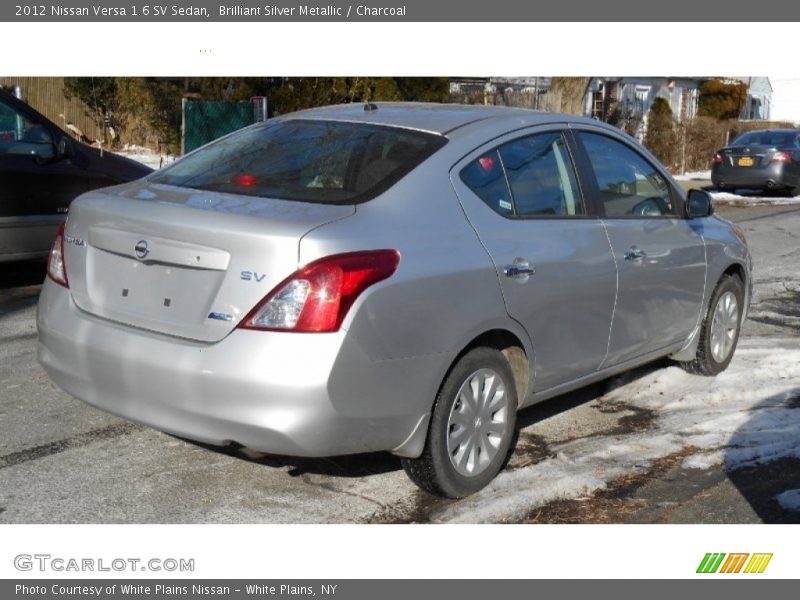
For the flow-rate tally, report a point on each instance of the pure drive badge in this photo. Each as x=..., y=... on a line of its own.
x=220, y=316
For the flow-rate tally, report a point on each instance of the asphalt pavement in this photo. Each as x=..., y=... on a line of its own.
x=62, y=461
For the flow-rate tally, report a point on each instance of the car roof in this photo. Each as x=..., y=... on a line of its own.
x=775, y=130
x=441, y=119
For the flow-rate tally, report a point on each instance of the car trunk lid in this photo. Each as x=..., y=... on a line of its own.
x=183, y=262
x=748, y=156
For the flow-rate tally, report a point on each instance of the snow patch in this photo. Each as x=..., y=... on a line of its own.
x=705, y=460
x=741, y=418
x=789, y=500
x=147, y=157
x=694, y=176
x=745, y=198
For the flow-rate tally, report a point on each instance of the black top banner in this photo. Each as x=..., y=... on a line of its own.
x=403, y=11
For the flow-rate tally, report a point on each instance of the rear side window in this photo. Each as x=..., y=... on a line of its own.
x=629, y=186
x=485, y=177
x=764, y=138
x=528, y=177
x=310, y=161
x=540, y=175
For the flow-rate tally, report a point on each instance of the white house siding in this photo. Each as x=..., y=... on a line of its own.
x=758, y=106
x=638, y=93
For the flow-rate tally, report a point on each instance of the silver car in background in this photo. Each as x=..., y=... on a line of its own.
x=388, y=277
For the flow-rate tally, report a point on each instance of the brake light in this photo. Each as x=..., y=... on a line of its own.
x=56, y=266
x=737, y=231
x=244, y=180
x=782, y=157
x=486, y=162
x=317, y=297
x=716, y=159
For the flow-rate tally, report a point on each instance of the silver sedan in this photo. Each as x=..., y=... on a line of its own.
x=388, y=277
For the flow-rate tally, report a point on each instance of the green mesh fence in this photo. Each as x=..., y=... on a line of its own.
x=206, y=121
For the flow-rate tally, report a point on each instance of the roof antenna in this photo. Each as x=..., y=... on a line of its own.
x=369, y=106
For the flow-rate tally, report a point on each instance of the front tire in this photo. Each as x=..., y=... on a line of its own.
x=719, y=332
x=471, y=429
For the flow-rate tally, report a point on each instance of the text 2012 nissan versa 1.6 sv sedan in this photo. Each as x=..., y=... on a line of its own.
x=398, y=277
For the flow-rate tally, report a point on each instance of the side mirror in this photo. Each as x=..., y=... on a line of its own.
x=43, y=152
x=698, y=204
x=65, y=149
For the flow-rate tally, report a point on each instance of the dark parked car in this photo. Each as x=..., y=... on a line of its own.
x=766, y=159
x=42, y=169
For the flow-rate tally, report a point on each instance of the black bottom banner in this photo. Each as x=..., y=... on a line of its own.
x=383, y=589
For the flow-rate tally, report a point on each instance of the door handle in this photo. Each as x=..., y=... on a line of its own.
x=633, y=253
x=519, y=269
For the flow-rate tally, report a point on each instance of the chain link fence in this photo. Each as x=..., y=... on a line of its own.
x=205, y=121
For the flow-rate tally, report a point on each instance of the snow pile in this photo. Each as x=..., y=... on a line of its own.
x=148, y=157
x=740, y=418
x=694, y=176
x=747, y=197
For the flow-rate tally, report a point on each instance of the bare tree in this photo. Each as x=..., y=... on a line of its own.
x=572, y=92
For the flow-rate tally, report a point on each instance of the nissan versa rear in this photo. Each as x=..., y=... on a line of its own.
x=390, y=277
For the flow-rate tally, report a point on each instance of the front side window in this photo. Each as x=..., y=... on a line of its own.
x=21, y=135
x=305, y=160
x=629, y=186
x=528, y=177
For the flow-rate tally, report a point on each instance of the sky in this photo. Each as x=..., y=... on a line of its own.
x=786, y=99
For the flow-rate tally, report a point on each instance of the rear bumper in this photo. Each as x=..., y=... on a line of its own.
x=774, y=175
x=290, y=394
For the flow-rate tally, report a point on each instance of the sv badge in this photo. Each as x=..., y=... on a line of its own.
x=252, y=276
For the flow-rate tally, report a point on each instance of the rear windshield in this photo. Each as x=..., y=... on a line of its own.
x=765, y=138
x=310, y=161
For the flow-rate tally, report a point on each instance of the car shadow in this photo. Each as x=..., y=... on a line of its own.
x=377, y=463
x=20, y=284
x=350, y=466
x=762, y=458
x=22, y=273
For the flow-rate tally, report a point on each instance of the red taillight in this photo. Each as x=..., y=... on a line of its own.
x=716, y=159
x=782, y=157
x=244, y=180
x=56, y=266
x=317, y=297
x=739, y=234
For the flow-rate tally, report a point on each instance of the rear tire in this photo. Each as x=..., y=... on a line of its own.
x=472, y=427
x=719, y=332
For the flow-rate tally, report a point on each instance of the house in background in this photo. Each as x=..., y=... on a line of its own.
x=627, y=100
x=524, y=92
x=632, y=98
x=624, y=101
x=758, y=106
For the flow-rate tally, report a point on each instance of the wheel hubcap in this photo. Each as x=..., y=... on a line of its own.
x=477, y=423
x=724, y=326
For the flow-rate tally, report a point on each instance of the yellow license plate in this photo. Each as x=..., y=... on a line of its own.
x=745, y=161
